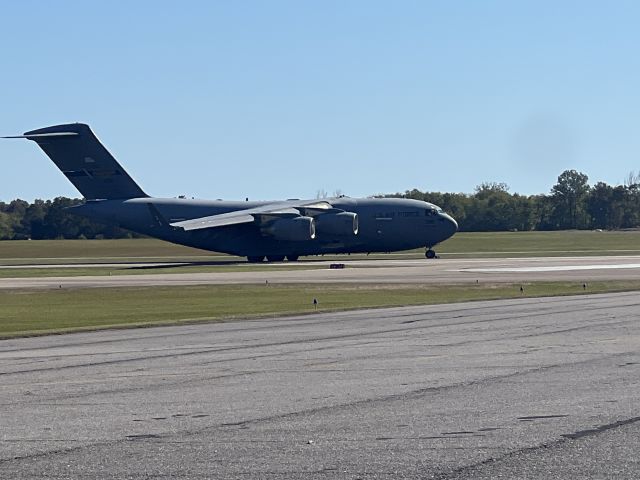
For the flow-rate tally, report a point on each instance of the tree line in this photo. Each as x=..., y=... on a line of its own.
x=49, y=219
x=571, y=204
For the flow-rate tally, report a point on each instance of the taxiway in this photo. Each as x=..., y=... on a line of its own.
x=444, y=271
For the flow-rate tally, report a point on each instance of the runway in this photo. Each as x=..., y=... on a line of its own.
x=525, y=388
x=442, y=271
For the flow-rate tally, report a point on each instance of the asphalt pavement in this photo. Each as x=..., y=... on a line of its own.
x=442, y=271
x=524, y=388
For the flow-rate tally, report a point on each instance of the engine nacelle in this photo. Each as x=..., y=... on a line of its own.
x=343, y=223
x=297, y=229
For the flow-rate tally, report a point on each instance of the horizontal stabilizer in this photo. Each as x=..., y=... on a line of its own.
x=41, y=135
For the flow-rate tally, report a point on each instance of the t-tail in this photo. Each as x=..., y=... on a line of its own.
x=85, y=162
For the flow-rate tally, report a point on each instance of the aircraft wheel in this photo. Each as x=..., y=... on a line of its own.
x=430, y=254
x=275, y=258
x=292, y=258
x=255, y=259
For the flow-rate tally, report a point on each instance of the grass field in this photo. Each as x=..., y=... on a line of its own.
x=105, y=251
x=39, y=312
x=34, y=312
x=564, y=243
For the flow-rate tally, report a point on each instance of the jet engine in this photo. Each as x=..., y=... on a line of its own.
x=295, y=229
x=343, y=223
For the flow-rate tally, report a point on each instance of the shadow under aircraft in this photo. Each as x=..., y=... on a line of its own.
x=256, y=230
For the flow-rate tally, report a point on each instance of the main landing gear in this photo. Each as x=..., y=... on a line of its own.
x=430, y=254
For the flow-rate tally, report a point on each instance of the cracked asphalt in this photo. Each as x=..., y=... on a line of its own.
x=524, y=388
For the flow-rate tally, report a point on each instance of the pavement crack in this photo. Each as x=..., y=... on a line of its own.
x=395, y=397
x=49, y=453
x=600, y=429
x=468, y=469
x=316, y=339
x=540, y=417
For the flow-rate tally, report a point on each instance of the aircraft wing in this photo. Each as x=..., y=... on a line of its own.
x=287, y=209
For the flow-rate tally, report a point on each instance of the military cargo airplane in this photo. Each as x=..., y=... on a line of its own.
x=256, y=230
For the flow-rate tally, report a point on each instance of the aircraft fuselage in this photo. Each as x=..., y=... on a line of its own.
x=384, y=225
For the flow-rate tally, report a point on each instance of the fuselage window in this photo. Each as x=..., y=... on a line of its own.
x=408, y=214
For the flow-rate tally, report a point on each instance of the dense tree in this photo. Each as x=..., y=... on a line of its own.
x=572, y=203
x=631, y=205
x=6, y=229
x=50, y=219
x=599, y=206
x=569, y=198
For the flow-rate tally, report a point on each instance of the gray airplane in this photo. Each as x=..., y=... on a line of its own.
x=256, y=230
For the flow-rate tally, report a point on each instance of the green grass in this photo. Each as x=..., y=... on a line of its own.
x=37, y=312
x=32, y=251
x=562, y=243
x=494, y=244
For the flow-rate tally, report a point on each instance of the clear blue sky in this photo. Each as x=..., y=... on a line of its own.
x=274, y=99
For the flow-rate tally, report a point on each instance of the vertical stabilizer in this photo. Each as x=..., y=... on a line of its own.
x=85, y=162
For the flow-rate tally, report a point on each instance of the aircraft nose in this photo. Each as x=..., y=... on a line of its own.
x=451, y=226
x=454, y=224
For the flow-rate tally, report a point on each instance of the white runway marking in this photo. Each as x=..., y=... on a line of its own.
x=555, y=268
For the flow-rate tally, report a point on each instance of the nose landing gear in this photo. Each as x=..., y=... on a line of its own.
x=430, y=254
